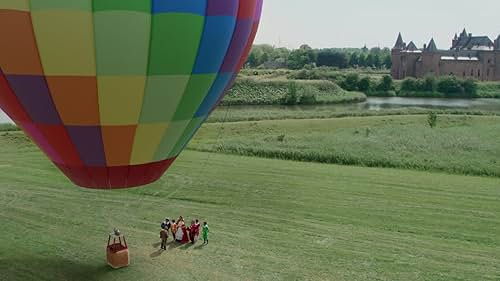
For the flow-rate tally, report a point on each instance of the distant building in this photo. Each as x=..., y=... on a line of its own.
x=476, y=57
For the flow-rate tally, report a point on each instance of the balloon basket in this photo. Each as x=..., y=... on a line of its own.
x=117, y=253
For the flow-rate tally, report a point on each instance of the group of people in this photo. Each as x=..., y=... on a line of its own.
x=181, y=233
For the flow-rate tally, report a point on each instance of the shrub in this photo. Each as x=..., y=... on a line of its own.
x=409, y=84
x=351, y=82
x=470, y=87
x=386, y=84
x=308, y=99
x=432, y=119
x=430, y=83
x=291, y=96
x=450, y=85
x=365, y=84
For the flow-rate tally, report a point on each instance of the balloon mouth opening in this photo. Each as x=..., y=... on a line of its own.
x=117, y=177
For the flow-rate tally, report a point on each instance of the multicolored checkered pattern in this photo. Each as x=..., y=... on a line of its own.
x=113, y=90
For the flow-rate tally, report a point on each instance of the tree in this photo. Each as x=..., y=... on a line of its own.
x=332, y=58
x=365, y=84
x=252, y=60
x=362, y=60
x=351, y=82
x=354, y=60
x=387, y=61
x=386, y=84
x=370, y=60
x=301, y=57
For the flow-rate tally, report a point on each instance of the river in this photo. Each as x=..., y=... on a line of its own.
x=391, y=103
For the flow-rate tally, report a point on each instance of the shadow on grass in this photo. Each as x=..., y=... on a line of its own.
x=54, y=269
x=200, y=247
x=157, y=253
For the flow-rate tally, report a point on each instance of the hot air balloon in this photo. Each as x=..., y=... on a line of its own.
x=113, y=90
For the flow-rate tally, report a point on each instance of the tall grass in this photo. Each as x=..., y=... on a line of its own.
x=8, y=128
x=250, y=91
x=253, y=113
x=458, y=144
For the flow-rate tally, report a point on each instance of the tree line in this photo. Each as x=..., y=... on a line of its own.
x=267, y=56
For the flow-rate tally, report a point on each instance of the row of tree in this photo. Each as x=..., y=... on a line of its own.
x=267, y=56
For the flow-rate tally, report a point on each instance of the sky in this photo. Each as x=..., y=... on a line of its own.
x=376, y=23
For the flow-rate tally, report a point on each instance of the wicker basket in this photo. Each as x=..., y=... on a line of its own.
x=117, y=252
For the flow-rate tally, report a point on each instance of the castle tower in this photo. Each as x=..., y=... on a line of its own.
x=454, y=41
x=400, y=44
x=496, y=73
x=396, y=57
x=431, y=58
x=464, y=34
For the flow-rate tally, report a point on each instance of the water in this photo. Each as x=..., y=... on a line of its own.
x=4, y=118
x=377, y=104
x=389, y=103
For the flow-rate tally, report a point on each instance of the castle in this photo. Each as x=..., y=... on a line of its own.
x=476, y=57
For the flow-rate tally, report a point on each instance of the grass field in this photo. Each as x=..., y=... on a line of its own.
x=269, y=219
x=257, y=113
x=459, y=144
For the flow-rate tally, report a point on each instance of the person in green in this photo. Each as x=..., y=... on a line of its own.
x=204, y=233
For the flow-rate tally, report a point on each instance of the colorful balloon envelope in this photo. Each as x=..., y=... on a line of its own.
x=113, y=90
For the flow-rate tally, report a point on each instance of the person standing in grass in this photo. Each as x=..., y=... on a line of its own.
x=173, y=228
x=164, y=238
x=204, y=233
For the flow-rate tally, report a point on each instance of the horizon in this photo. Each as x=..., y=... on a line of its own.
x=376, y=24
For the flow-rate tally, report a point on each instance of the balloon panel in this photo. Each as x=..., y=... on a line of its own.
x=112, y=91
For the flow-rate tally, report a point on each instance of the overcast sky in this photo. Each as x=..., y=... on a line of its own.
x=353, y=23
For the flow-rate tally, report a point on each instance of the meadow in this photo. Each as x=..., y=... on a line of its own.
x=269, y=219
x=459, y=144
x=257, y=113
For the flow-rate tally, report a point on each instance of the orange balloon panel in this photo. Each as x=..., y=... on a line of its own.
x=112, y=91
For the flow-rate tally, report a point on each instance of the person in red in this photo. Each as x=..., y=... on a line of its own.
x=192, y=232
x=185, y=237
x=196, y=231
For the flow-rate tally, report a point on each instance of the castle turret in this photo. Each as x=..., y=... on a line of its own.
x=497, y=43
x=396, y=57
x=430, y=60
x=464, y=34
x=432, y=46
x=400, y=44
x=454, y=41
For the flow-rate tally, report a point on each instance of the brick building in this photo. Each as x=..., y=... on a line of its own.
x=476, y=57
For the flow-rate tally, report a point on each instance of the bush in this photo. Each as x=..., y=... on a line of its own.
x=308, y=99
x=470, y=87
x=307, y=95
x=409, y=84
x=351, y=82
x=291, y=96
x=430, y=83
x=386, y=84
x=450, y=85
x=365, y=84
x=432, y=119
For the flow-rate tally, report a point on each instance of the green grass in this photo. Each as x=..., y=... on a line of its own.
x=251, y=91
x=488, y=89
x=257, y=113
x=270, y=220
x=459, y=144
x=8, y=128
